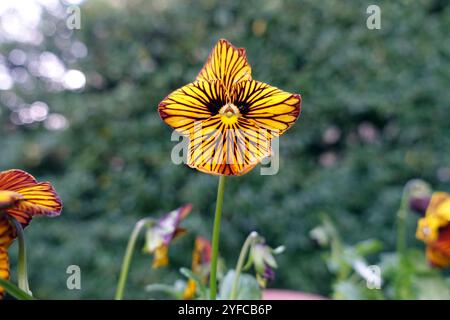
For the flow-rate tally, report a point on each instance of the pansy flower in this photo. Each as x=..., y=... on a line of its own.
x=160, y=234
x=264, y=261
x=201, y=259
x=229, y=118
x=22, y=198
x=434, y=230
x=419, y=196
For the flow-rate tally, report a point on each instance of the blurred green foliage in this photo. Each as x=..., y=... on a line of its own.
x=391, y=276
x=375, y=114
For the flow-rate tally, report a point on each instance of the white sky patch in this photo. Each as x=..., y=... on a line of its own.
x=72, y=2
x=17, y=57
x=19, y=21
x=50, y=66
x=56, y=122
x=39, y=111
x=74, y=80
x=78, y=49
x=6, y=82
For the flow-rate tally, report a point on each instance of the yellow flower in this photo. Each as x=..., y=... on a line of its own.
x=229, y=118
x=434, y=230
x=21, y=198
x=190, y=290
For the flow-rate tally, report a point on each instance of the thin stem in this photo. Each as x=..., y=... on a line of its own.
x=22, y=274
x=128, y=256
x=402, y=283
x=401, y=223
x=240, y=264
x=215, y=239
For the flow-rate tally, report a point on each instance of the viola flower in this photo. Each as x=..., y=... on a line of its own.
x=22, y=198
x=419, y=196
x=201, y=259
x=434, y=230
x=264, y=262
x=419, y=204
x=229, y=118
x=161, y=233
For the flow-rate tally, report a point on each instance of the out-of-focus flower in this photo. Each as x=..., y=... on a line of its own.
x=190, y=290
x=229, y=118
x=201, y=257
x=264, y=261
x=419, y=204
x=419, y=196
x=434, y=230
x=22, y=198
x=201, y=260
x=160, y=234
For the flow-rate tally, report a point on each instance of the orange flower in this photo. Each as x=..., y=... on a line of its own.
x=21, y=198
x=229, y=118
x=201, y=259
x=434, y=230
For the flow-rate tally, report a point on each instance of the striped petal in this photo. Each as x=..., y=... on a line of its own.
x=7, y=232
x=196, y=101
x=221, y=148
x=14, y=180
x=7, y=235
x=9, y=198
x=37, y=198
x=269, y=107
x=227, y=64
x=4, y=268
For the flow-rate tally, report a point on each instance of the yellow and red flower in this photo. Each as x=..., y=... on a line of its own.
x=434, y=230
x=22, y=198
x=229, y=118
x=161, y=233
x=201, y=260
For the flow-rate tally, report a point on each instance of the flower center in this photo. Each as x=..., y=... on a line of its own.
x=229, y=113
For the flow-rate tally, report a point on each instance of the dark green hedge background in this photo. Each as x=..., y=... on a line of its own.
x=375, y=114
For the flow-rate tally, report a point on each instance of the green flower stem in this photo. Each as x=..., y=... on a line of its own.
x=128, y=256
x=22, y=271
x=215, y=239
x=240, y=264
x=402, y=214
x=402, y=282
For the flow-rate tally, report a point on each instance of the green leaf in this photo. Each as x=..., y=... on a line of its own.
x=368, y=247
x=15, y=291
x=355, y=289
x=248, y=288
x=188, y=274
x=163, y=288
x=432, y=288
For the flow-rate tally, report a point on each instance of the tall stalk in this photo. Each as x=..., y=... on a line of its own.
x=22, y=274
x=215, y=239
x=128, y=256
